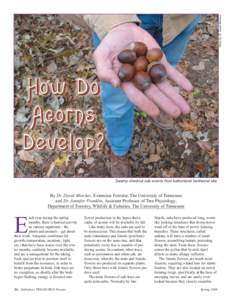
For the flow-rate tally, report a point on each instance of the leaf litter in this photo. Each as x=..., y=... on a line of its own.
x=48, y=47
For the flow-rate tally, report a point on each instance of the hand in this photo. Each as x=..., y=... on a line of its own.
x=162, y=96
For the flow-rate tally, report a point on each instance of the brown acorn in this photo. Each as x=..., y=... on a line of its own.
x=157, y=73
x=142, y=80
x=154, y=54
x=126, y=72
x=139, y=48
x=127, y=57
x=141, y=63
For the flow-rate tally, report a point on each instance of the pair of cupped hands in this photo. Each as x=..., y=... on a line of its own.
x=158, y=97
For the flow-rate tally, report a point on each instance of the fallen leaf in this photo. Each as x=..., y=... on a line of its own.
x=30, y=156
x=187, y=135
x=16, y=132
x=58, y=50
x=186, y=152
x=213, y=162
x=52, y=67
x=159, y=148
x=204, y=145
x=193, y=116
x=74, y=60
x=78, y=161
x=212, y=153
x=154, y=158
x=210, y=115
x=81, y=171
x=200, y=166
x=17, y=62
x=152, y=148
x=203, y=136
x=19, y=142
x=55, y=102
x=144, y=147
x=25, y=156
x=199, y=67
x=169, y=173
x=89, y=160
x=188, y=126
x=52, y=171
x=22, y=115
x=59, y=161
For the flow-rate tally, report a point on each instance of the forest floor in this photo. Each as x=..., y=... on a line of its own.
x=49, y=48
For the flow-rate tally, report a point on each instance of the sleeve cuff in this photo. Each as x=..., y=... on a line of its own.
x=102, y=24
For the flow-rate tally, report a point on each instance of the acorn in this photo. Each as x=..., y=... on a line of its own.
x=154, y=54
x=157, y=73
x=142, y=80
x=139, y=48
x=150, y=65
x=126, y=72
x=141, y=64
x=127, y=56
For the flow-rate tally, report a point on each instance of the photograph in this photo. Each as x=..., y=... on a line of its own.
x=115, y=155
x=116, y=96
